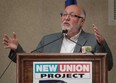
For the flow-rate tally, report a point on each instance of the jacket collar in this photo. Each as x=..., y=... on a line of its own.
x=81, y=41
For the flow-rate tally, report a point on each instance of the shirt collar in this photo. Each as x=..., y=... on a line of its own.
x=75, y=37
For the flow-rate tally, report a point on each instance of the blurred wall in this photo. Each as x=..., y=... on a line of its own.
x=32, y=19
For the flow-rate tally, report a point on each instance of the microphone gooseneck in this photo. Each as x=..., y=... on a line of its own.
x=78, y=44
x=63, y=32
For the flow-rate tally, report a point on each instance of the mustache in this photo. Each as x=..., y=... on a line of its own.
x=67, y=23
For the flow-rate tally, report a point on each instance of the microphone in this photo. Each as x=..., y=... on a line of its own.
x=63, y=32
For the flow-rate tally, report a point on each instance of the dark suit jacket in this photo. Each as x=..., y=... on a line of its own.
x=85, y=39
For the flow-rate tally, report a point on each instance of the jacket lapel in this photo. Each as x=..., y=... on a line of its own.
x=81, y=42
x=57, y=46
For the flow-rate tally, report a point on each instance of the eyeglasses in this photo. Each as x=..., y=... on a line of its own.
x=71, y=15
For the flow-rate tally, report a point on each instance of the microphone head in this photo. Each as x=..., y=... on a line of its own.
x=65, y=31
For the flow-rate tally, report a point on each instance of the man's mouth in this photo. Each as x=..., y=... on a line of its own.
x=66, y=24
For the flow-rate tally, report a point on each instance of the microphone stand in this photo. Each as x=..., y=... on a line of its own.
x=63, y=32
x=6, y=69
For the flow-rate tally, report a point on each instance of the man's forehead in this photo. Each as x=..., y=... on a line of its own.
x=73, y=9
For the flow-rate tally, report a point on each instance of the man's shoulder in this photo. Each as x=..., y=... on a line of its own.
x=52, y=36
x=87, y=35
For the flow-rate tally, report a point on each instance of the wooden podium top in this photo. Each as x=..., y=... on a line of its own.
x=25, y=64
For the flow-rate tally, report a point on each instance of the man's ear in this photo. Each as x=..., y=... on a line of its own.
x=82, y=21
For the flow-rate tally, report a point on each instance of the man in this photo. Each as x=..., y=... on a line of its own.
x=72, y=20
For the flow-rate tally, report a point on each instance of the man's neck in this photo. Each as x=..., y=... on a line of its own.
x=73, y=34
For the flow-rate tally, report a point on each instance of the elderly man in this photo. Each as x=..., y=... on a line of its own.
x=72, y=20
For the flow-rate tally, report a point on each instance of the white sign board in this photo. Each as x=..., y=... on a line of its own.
x=62, y=72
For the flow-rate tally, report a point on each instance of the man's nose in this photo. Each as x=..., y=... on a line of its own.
x=67, y=17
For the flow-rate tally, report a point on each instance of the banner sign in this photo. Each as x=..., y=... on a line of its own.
x=62, y=72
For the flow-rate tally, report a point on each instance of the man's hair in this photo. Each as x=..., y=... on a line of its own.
x=84, y=13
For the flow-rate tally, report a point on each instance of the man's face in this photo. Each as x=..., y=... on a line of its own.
x=72, y=20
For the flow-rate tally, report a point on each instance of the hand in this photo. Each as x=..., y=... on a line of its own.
x=10, y=42
x=98, y=36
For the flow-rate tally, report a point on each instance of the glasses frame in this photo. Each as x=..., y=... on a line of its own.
x=71, y=15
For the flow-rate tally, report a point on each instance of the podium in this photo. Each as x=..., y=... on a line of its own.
x=25, y=64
